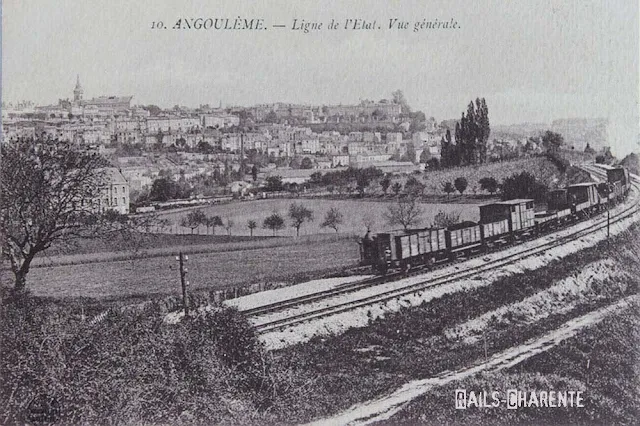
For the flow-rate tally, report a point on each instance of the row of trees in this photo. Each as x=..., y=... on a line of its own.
x=360, y=178
x=298, y=214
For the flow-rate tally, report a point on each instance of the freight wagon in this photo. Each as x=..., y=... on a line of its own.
x=404, y=249
x=584, y=198
x=463, y=238
x=517, y=216
x=499, y=222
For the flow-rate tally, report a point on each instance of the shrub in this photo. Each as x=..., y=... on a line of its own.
x=131, y=368
x=523, y=185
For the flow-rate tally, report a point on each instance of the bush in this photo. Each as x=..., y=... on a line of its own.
x=130, y=368
x=523, y=185
x=444, y=220
x=488, y=184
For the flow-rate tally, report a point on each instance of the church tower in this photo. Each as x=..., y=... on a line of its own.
x=77, y=92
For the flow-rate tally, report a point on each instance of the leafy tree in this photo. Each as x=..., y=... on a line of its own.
x=406, y=213
x=49, y=192
x=398, y=98
x=523, y=185
x=444, y=220
x=153, y=109
x=274, y=184
x=251, y=224
x=362, y=182
x=299, y=214
x=449, y=153
x=448, y=188
x=333, y=219
x=461, y=184
x=315, y=178
x=306, y=163
x=212, y=222
x=433, y=163
x=272, y=117
x=552, y=141
x=472, y=133
x=488, y=184
x=295, y=163
x=275, y=222
x=410, y=155
x=384, y=183
x=396, y=188
x=194, y=219
x=204, y=147
x=163, y=189
x=413, y=186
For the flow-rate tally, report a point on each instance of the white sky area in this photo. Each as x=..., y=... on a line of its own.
x=534, y=61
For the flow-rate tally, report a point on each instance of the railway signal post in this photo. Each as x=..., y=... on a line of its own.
x=182, y=258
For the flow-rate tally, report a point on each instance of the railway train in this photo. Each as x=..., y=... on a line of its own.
x=500, y=223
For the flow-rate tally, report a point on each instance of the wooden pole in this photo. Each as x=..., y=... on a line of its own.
x=183, y=273
x=608, y=220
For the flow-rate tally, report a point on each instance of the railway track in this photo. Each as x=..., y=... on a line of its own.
x=369, y=282
x=432, y=282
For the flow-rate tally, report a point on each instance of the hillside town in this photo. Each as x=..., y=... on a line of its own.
x=234, y=150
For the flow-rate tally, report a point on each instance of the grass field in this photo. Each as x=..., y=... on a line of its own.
x=159, y=275
x=158, y=245
x=352, y=210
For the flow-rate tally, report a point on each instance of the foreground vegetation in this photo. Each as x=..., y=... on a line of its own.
x=132, y=368
x=601, y=361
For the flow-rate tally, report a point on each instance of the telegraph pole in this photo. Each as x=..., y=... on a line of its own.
x=608, y=221
x=608, y=215
x=182, y=258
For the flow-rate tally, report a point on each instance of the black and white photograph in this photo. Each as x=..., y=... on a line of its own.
x=359, y=212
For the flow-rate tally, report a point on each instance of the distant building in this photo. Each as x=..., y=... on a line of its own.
x=101, y=106
x=114, y=194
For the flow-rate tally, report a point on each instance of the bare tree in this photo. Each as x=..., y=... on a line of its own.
x=252, y=225
x=406, y=212
x=299, y=214
x=228, y=226
x=369, y=222
x=50, y=194
x=333, y=219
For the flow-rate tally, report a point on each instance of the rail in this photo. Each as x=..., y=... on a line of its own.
x=415, y=287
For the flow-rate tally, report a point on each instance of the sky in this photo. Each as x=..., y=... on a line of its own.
x=533, y=61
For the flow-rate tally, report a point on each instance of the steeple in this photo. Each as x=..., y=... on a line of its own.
x=77, y=92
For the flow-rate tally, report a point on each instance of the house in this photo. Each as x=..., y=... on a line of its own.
x=114, y=194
